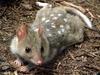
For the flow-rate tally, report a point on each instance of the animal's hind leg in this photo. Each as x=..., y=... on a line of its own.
x=80, y=35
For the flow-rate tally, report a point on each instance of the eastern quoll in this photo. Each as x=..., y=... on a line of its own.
x=53, y=29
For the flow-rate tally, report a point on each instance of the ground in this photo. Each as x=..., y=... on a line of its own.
x=80, y=59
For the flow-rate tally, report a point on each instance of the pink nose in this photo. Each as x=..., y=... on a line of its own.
x=39, y=62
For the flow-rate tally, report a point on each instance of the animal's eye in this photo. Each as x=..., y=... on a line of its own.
x=27, y=49
x=42, y=49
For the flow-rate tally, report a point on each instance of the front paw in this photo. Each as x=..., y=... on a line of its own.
x=18, y=62
x=19, y=66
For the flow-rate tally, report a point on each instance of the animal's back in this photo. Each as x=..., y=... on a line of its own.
x=61, y=27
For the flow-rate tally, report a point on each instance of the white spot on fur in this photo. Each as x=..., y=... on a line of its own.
x=59, y=15
x=47, y=21
x=55, y=18
x=49, y=35
x=61, y=26
x=43, y=19
x=36, y=29
x=59, y=32
x=53, y=26
x=65, y=19
x=63, y=30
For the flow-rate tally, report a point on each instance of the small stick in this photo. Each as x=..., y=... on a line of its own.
x=98, y=16
x=73, y=5
x=3, y=12
x=71, y=55
x=93, y=66
x=92, y=16
x=43, y=4
x=58, y=65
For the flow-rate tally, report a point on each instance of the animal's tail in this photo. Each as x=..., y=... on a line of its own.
x=81, y=15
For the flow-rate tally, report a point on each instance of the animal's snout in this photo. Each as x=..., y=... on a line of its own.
x=39, y=62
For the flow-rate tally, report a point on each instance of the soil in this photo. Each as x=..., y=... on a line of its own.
x=79, y=59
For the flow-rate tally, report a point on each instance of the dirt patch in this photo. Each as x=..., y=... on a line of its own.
x=80, y=59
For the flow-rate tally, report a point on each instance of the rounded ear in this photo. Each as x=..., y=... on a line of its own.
x=22, y=31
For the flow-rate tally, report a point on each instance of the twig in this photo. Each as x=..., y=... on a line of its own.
x=93, y=66
x=98, y=16
x=73, y=5
x=92, y=16
x=3, y=12
x=79, y=8
x=71, y=55
x=58, y=65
